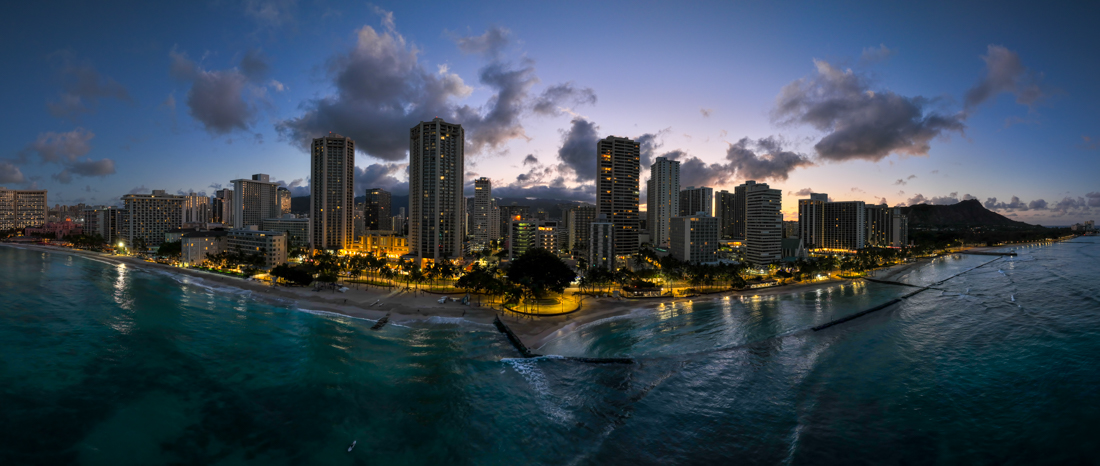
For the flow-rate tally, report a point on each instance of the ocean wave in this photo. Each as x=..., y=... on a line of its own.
x=332, y=314
x=529, y=369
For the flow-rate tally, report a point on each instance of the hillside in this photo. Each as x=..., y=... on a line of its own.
x=966, y=213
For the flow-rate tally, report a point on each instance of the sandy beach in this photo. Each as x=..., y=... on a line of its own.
x=404, y=306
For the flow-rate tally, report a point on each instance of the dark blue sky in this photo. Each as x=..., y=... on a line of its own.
x=861, y=100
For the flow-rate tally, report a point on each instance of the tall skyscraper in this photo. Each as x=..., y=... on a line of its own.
x=811, y=220
x=764, y=224
x=22, y=208
x=377, y=214
x=332, y=192
x=150, y=216
x=617, y=168
x=479, y=217
x=732, y=211
x=899, y=229
x=283, y=195
x=436, y=171
x=723, y=209
x=663, y=199
x=845, y=227
x=254, y=200
x=196, y=209
x=878, y=222
x=222, y=207
x=694, y=200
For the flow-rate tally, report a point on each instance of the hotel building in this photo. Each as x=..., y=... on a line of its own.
x=269, y=244
x=376, y=212
x=150, y=216
x=694, y=238
x=617, y=170
x=662, y=199
x=22, y=208
x=254, y=200
x=332, y=195
x=436, y=203
x=694, y=200
x=763, y=224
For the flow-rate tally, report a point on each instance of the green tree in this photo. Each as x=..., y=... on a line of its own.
x=538, y=271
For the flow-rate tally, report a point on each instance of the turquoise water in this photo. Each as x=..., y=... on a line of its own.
x=105, y=364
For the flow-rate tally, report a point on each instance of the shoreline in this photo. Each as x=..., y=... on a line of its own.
x=373, y=303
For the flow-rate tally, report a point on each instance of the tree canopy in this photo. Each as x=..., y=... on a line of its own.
x=539, y=270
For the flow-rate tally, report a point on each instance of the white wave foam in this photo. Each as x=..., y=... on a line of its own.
x=530, y=371
x=456, y=321
x=333, y=314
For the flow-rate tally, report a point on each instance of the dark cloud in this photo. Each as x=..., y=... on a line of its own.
x=584, y=192
x=9, y=173
x=382, y=175
x=254, y=65
x=1093, y=199
x=1070, y=205
x=85, y=168
x=222, y=100
x=60, y=147
x=563, y=96
x=900, y=182
x=762, y=159
x=297, y=187
x=1005, y=73
x=648, y=144
x=578, y=149
x=489, y=44
x=498, y=120
x=140, y=190
x=861, y=123
x=968, y=197
x=801, y=192
x=876, y=54
x=918, y=199
x=530, y=159
x=883, y=201
x=1037, y=204
x=1015, y=204
x=83, y=87
x=949, y=199
x=215, y=186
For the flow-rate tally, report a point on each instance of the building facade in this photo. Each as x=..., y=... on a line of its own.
x=332, y=194
x=601, y=243
x=617, y=170
x=763, y=224
x=878, y=222
x=271, y=245
x=376, y=211
x=150, y=216
x=283, y=196
x=579, y=219
x=480, y=214
x=899, y=229
x=811, y=220
x=21, y=208
x=694, y=238
x=662, y=199
x=296, y=229
x=694, y=200
x=724, y=210
x=845, y=226
x=197, y=246
x=222, y=207
x=254, y=200
x=196, y=209
x=436, y=203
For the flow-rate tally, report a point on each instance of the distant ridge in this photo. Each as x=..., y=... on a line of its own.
x=966, y=213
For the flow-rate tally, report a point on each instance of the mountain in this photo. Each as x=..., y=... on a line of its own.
x=966, y=213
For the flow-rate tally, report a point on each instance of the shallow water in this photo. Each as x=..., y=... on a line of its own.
x=105, y=364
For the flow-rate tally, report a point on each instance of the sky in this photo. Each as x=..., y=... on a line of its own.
x=935, y=102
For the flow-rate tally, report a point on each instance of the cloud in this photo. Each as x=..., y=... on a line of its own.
x=910, y=177
x=498, y=120
x=530, y=159
x=802, y=192
x=1015, y=204
x=584, y=192
x=561, y=98
x=876, y=54
x=82, y=87
x=918, y=199
x=950, y=199
x=9, y=173
x=489, y=44
x=85, y=168
x=1005, y=73
x=215, y=186
x=578, y=149
x=858, y=190
x=1093, y=199
x=1037, y=204
x=706, y=112
x=861, y=123
x=60, y=147
x=900, y=182
x=762, y=159
x=382, y=175
x=222, y=100
x=968, y=197
x=271, y=13
x=141, y=190
x=254, y=65
x=883, y=201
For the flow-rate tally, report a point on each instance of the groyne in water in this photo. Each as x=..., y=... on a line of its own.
x=986, y=253
x=381, y=322
x=526, y=353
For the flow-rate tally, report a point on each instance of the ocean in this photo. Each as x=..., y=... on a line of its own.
x=113, y=365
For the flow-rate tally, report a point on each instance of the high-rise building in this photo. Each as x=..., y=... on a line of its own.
x=662, y=199
x=22, y=208
x=254, y=200
x=105, y=221
x=494, y=221
x=222, y=207
x=436, y=172
x=150, y=216
x=877, y=222
x=601, y=243
x=283, y=195
x=899, y=229
x=579, y=220
x=694, y=200
x=509, y=213
x=732, y=211
x=196, y=208
x=617, y=168
x=844, y=225
x=332, y=193
x=377, y=214
x=723, y=209
x=479, y=216
x=763, y=224
x=530, y=234
x=694, y=238
x=811, y=220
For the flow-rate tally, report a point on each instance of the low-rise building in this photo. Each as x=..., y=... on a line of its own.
x=197, y=246
x=386, y=244
x=296, y=229
x=57, y=230
x=269, y=244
